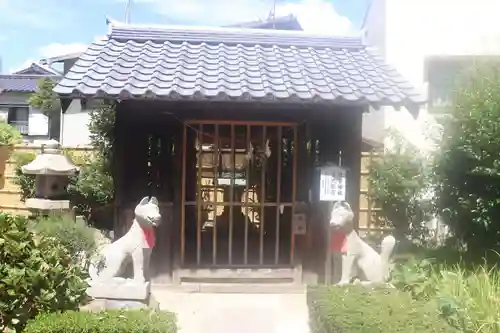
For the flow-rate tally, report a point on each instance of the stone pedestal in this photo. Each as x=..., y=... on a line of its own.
x=47, y=204
x=119, y=293
x=119, y=288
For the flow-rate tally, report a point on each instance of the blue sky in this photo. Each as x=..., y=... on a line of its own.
x=34, y=29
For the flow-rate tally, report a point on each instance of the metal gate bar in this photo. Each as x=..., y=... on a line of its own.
x=199, y=194
x=294, y=190
x=262, y=199
x=183, y=196
x=247, y=181
x=279, y=152
x=215, y=161
x=231, y=195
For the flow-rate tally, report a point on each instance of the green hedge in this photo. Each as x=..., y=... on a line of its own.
x=137, y=321
x=362, y=309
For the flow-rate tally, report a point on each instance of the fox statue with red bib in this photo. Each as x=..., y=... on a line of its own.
x=137, y=245
x=373, y=266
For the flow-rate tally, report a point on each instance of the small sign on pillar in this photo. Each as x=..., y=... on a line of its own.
x=332, y=185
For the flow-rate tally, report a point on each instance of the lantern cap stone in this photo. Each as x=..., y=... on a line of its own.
x=50, y=162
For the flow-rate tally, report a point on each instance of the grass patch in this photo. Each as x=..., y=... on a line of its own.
x=467, y=295
x=470, y=300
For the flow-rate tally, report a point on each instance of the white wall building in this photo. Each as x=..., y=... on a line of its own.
x=15, y=91
x=74, y=130
x=75, y=126
x=429, y=42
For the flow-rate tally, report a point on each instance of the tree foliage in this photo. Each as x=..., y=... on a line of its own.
x=398, y=180
x=92, y=189
x=468, y=163
x=45, y=99
x=9, y=135
x=101, y=128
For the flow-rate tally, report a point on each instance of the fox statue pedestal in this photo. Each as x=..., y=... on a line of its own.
x=119, y=293
x=120, y=288
x=106, y=287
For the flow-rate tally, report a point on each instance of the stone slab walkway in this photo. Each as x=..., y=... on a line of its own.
x=236, y=313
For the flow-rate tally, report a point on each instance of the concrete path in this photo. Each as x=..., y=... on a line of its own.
x=236, y=313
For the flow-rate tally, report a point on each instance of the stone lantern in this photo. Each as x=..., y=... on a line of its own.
x=52, y=170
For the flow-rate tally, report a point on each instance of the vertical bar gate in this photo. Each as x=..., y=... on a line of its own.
x=239, y=184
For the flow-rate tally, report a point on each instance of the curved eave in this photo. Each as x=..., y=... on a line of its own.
x=412, y=105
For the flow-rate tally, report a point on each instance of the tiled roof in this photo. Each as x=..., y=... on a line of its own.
x=35, y=68
x=21, y=83
x=234, y=64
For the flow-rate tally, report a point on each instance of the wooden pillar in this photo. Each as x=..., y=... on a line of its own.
x=305, y=193
x=118, y=162
x=340, y=137
x=332, y=140
x=352, y=150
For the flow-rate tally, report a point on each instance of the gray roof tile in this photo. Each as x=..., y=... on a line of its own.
x=235, y=64
x=21, y=82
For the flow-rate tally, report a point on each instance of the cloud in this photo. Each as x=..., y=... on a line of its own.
x=214, y=12
x=51, y=50
x=57, y=49
x=318, y=16
x=46, y=14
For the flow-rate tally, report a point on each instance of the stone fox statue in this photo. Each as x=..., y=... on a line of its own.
x=136, y=245
x=374, y=266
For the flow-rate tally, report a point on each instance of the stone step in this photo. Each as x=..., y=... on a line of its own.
x=235, y=312
x=232, y=288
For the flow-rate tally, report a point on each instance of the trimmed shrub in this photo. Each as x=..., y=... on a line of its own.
x=361, y=309
x=37, y=274
x=77, y=238
x=137, y=321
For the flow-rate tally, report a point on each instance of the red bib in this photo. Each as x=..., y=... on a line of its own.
x=149, y=237
x=338, y=241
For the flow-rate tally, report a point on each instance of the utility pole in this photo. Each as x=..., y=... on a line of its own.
x=127, y=11
x=274, y=14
